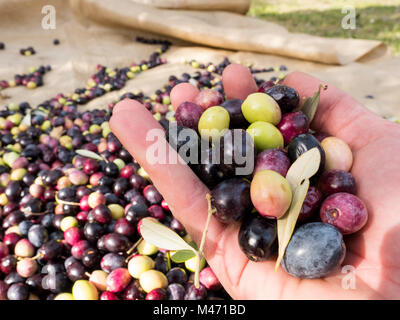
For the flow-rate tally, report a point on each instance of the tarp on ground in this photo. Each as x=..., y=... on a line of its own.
x=95, y=32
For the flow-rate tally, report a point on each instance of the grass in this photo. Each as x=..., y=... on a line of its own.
x=375, y=19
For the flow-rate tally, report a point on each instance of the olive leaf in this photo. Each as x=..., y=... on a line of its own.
x=40, y=112
x=27, y=119
x=182, y=255
x=88, y=154
x=163, y=237
x=286, y=224
x=304, y=167
x=310, y=106
x=298, y=177
x=194, y=245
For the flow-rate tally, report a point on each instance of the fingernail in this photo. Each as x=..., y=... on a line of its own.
x=126, y=105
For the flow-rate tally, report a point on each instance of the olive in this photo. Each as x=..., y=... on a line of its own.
x=153, y=279
x=258, y=237
x=139, y=264
x=287, y=98
x=301, y=144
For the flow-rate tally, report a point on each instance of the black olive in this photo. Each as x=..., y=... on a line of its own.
x=258, y=237
x=303, y=143
x=286, y=97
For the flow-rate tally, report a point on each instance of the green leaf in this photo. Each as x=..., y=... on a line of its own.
x=182, y=255
x=286, y=224
x=42, y=111
x=88, y=154
x=163, y=237
x=304, y=167
x=194, y=245
x=310, y=106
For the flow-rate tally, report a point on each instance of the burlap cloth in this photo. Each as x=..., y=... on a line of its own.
x=103, y=32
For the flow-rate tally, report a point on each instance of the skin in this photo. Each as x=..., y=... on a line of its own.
x=374, y=252
x=183, y=92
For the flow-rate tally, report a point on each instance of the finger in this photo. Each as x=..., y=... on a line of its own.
x=183, y=92
x=338, y=114
x=238, y=82
x=185, y=194
x=132, y=124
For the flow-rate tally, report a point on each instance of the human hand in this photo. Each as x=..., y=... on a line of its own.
x=374, y=252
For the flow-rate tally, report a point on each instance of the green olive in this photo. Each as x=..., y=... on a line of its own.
x=146, y=248
x=64, y=296
x=153, y=279
x=191, y=264
x=84, y=290
x=10, y=157
x=68, y=222
x=213, y=122
x=117, y=211
x=261, y=107
x=141, y=172
x=15, y=118
x=18, y=174
x=139, y=264
x=120, y=163
x=265, y=135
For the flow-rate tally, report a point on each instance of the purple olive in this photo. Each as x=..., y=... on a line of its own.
x=188, y=115
x=311, y=203
x=292, y=124
x=272, y=159
x=345, y=211
x=334, y=181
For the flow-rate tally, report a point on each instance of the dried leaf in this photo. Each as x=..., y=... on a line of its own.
x=286, y=224
x=89, y=154
x=27, y=119
x=182, y=255
x=304, y=167
x=298, y=177
x=310, y=106
x=57, y=132
x=162, y=237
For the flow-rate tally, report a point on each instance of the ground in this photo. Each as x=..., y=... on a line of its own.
x=375, y=19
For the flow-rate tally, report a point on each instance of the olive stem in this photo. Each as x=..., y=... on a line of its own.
x=168, y=261
x=210, y=212
x=197, y=271
x=104, y=158
x=66, y=202
x=130, y=250
x=36, y=257
x=203, y=241
x=27, y=213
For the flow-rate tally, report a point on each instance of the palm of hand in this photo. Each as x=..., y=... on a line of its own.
x=374, y=252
